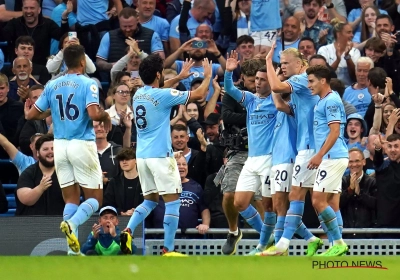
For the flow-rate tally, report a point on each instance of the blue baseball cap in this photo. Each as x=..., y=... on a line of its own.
x=110, y=208
x=356, y=116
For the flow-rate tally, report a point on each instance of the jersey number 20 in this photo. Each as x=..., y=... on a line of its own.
x=71, y=111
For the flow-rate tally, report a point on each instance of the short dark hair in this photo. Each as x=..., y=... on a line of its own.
x=319, y=2
x=43, y=139
x=36, y=87
x=320, y=72
x=38, y=1
x=250, y=67
x=262, y=69
x=126, y=154
x=382, y=16
x=338, y=86
x=393, y=137
x=149, y=67
x=318, y=56
x=73, y=56
x=34, y=136
x=128, y=12
x=244, y=39
x=308, y=39
x=179, y=127
x=376, y=44
x=377, y=77
x=25, y=40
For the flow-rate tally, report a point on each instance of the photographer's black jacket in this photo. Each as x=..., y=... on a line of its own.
x=232, y=112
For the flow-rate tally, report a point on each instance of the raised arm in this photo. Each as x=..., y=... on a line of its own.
x=276, y=85
x=201, y=91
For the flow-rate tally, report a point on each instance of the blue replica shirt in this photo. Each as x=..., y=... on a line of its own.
x=359, y=98
x=277, y=52
x=22, y=161
x=284, y=143
x=56, y=17
x=265, y=15
x=68, y=97
x=104, y=48
x=152, y=107
x=330, y=110
x=303, y=103
x=355, y=14
x=198, y=72
x=261, y=117
x=354, y=145
x=192, y=25
x=92, y=11
x=47, y=7
x=159, y=25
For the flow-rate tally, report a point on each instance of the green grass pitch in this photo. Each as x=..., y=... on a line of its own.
x=196, y=268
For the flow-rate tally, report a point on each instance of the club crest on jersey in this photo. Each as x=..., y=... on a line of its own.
x=93, y=88
x=360, y=96
x=174, y=92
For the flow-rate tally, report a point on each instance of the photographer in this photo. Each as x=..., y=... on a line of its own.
x=235, y=137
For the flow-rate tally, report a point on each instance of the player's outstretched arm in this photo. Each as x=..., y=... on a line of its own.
x=184, y=74
x=280, y=104
x=35, y=114
x=230, y=89
x=99, y=115
x=201, y=91
x=276, y=85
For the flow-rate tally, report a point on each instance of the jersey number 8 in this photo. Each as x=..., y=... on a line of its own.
x=140, y=113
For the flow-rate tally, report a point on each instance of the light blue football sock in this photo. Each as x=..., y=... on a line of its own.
x=171, y=221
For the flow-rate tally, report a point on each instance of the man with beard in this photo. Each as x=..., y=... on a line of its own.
x=291, y=36
x=357, y=94
x=23, y=80
x=156, y=165
x=319, y=31
x=196, y=55
x=129, y=27
x=38, y=191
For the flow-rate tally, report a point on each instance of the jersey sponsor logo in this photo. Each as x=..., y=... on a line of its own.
x=332, y=110
x=174, y=92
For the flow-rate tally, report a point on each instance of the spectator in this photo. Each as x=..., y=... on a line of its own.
x=6, y=15
x=104, y=240
x=358, y=198
x=148, y=40
x=333, y=9
x=107, y=152
x=394, y=123
x=192, y=204
x=341, y=55
x=33, y=24
x=355, y=130
x=146, y=18
x=10, y=112
x=339, y=87
x=358, y=94
x=292, y=33
x=369, y=153
x=368, y=18
x=1, y=59
x=245, y=49
x=388, y=181
x=318, y=59
x=47, y=7
x=320, y=32
x=38, y=191
x=3, y=200
x=124, y=191
x=375, y=49
x=307, y=47
x=291, y=8
x=20, y=160
x=56, y=65
x=23, y=80
x=201, y=12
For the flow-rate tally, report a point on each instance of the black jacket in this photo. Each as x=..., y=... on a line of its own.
x=196, y=166
x=115, y=194
x=42, y=34
x=358, y=211
x=108, y=162
x=29, y=129
x=3, y=200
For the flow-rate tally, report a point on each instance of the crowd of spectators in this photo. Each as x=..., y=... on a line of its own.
x=357, y=39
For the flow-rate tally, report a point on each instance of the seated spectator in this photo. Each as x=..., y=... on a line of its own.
x=55, y=64
x=25, y=46
x=23, y=80
x=339, y=87
x=32, y=127
x=355, y=130
x=368, y=18
x=148, y=40
x=358, y=198
x=192, y=204
x=38, y=191
x=33, y=24
x=3, y=200
x=107, y=152
x=375, y=49
x=20, y=160
x=318, y=59
x=387, y=174
x=291, y=30
x=124, y=191
x=357, y=94
x=130, y=62
x=307, y=47
x=104, y=240
x=10, y=112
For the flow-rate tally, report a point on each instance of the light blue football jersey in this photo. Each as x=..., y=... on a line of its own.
x=359, y=98
x=284, y=143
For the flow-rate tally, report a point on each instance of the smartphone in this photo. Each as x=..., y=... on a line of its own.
x=72, y=35
x=134, y=74
x=199, y=44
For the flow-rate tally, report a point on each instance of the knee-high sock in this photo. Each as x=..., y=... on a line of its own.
x=84, y=212
x=303, y=231
x=252, y=217
x=325, y=229
x=267, y=227
x=280, y=222
x=330, y=220
x=69, y=211
x=171, y=221
x=292, y=222
x=140, y=213
x=339, y=221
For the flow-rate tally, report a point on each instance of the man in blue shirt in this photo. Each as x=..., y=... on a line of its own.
x=73, y=100
x=293, y=65
x=157, y=168
x=265, y=20
x=357, y=94
x=332, y=157
x=261, y=117
x=292, y=31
